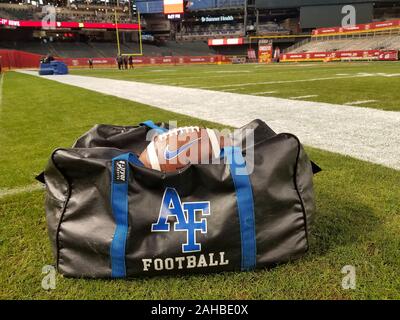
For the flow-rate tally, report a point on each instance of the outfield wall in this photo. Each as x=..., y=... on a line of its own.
x=378, y=55
x=14, y=59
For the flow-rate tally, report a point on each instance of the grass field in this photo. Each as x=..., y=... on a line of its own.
x=357, y=220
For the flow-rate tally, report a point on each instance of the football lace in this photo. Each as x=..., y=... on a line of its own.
x=178, y=131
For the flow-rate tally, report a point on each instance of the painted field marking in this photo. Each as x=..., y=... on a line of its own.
x=288, y=81
x=18, y=190
x=349, y=76
x=388, y=75
x=262, y=93
x=161, y=81
x=189, y=86
x=229, y=71
x=355, y=103
x=161, y=70
x=288, y=65
x=229, y=90
x=304, y=97
x=184, y=77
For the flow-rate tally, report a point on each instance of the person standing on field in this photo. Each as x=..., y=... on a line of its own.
x=90, y=61
x=119, y=62
x=126, y=62
x=130, y=62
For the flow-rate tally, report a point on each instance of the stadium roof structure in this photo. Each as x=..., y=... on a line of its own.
x=285, y=4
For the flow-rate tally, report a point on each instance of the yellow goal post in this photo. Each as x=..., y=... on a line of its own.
x=140, y=53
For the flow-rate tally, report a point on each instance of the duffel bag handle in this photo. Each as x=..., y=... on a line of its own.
x=150, y=124
x=119, y=205
x=245, y=205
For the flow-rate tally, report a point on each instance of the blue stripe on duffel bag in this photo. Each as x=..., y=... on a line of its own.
x=150, y=124
x=245, y=204
x=119, y=204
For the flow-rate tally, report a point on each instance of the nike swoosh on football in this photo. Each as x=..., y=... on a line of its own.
x=169, y=155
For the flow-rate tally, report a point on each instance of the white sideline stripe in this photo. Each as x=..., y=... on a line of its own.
x=356, y=103
x=288, y=81
x=368, y=134
x=304, y=97
x=14, y=191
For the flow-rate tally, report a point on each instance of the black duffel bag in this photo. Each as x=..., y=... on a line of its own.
x=108, y=216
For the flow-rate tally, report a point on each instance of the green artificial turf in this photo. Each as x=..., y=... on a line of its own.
x=357, y=221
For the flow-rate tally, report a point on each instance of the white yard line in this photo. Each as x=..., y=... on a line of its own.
x=263, y=93
x=163, y=70
x=364, y=133
x=228, y=71
x=190, y=86
x=292, y=65
x=287, y=81
x=356, y=103
x=183, y=77
x=14, y=191
x=389, y=75
x=304, y=97
x=229, y=90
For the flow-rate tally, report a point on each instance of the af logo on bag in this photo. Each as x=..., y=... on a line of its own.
x=185, y=214
x=190, y=218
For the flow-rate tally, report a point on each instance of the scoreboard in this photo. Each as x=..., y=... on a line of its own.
x=325, y=13
x=173, y=6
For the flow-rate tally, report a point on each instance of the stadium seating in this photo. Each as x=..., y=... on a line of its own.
x=377, y=42
x=108, y=49
x=74, y=13
x=272, y=28
x=199, y=32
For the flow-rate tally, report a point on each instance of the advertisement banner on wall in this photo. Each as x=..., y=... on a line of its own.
x=226, y=42
x=265, y=51
x=374, y=26
x=381, y=55
x=14, y=59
